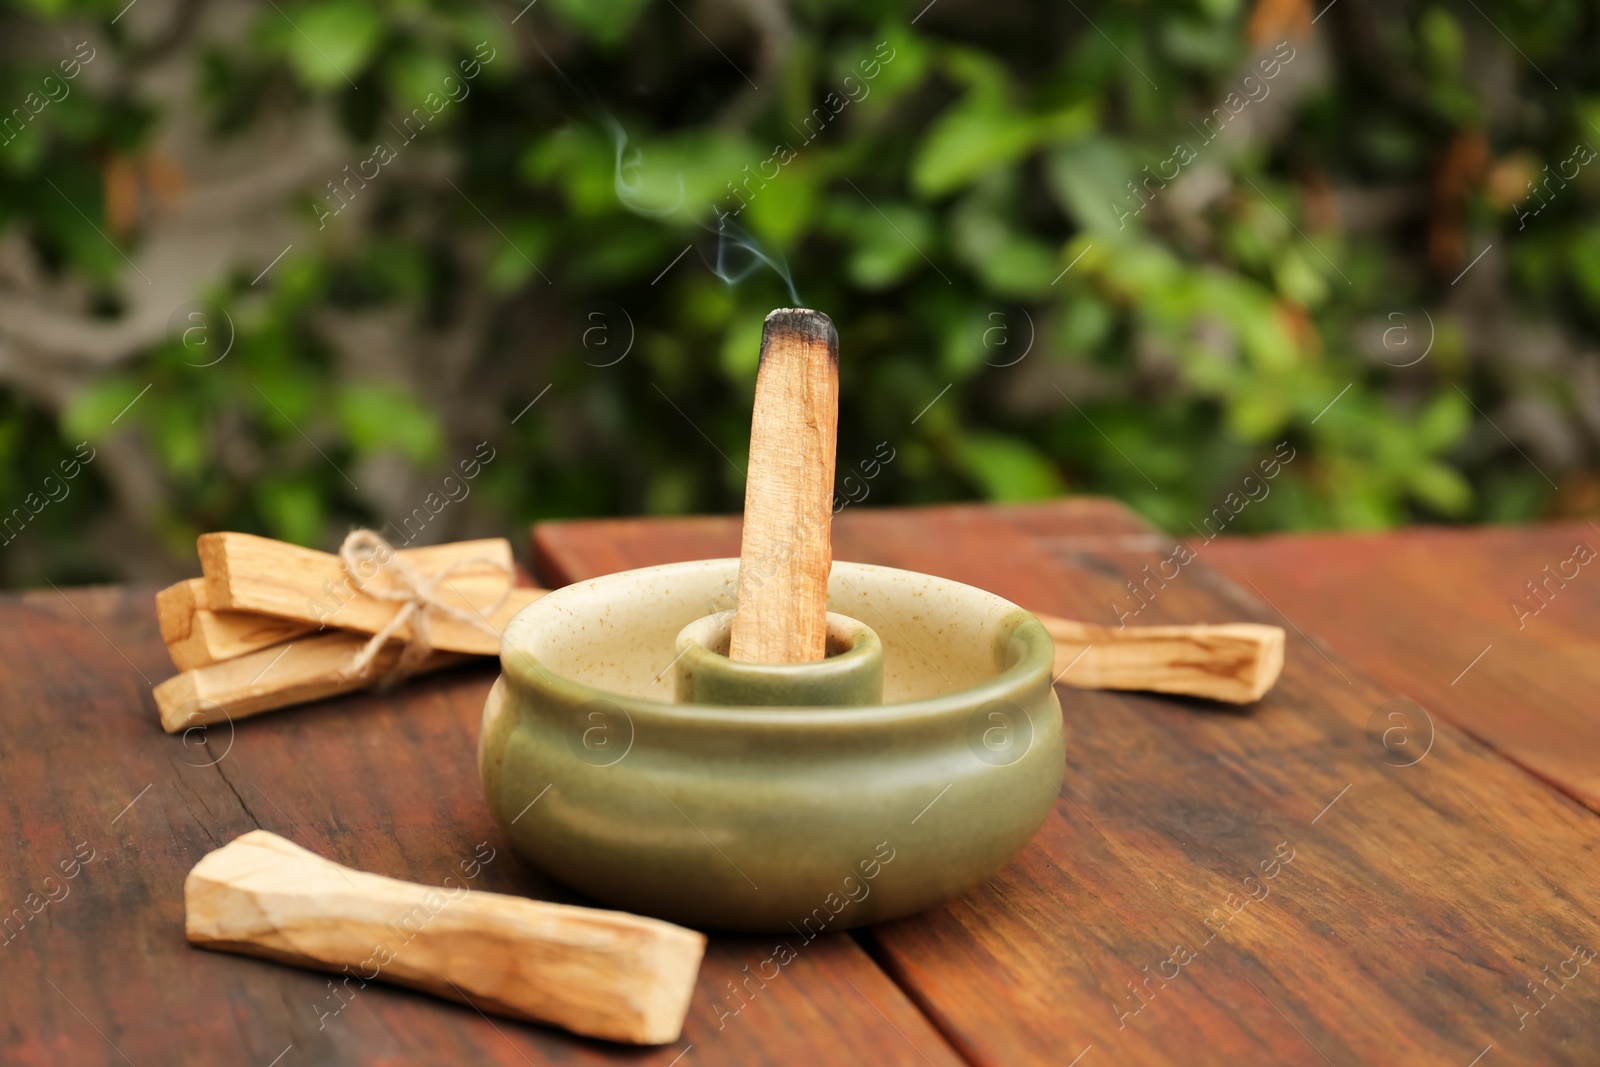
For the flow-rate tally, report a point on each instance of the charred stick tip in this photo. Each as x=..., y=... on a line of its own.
x=800, y=324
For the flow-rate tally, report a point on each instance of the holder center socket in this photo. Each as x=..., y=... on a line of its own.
x=850, y=676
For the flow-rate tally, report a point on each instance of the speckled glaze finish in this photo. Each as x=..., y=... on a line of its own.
x=770, y=818
x=850, y=676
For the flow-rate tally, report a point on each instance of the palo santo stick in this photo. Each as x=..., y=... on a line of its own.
x=786, y=553
x=603, y=974
x=249, y=573
x=1235, y=662
x=197, y=636
x=296, y=672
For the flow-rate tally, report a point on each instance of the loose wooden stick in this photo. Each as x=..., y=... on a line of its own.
x=248, y=573
x=197, y=636
x=295, y=672
x=786, y=554
x=1235, y=662
x=603, y=974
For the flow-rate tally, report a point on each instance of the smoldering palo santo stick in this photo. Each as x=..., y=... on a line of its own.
x=786, y=552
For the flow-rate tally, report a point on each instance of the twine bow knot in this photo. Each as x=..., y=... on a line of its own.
x=417, y=594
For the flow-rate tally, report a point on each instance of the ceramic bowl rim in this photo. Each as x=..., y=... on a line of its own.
x=1037, y=660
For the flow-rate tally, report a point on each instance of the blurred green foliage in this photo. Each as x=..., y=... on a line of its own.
x=1010, y=323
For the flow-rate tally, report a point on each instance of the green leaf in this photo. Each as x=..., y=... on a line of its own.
x=292, y=509
x=330, y=43
x=671, y=492
x=967, y=142
x=1257, y=413
x=784, y=211
x=1089, y=180
x=606, y=22
x=902, y=56
x=1009, y=469
x=89, y=414
x=514, y=261
x=376, y=416
x=1199, y=45
x=1022, y=267
x=1440, y=487
x=687, y=176
x=413, y=74
x=1010, y=262
x=741, y=347
x=1583, y=256
x=1297, y=280
x=1444, y=422
x=488, y=38
x=184, y=443
x=984, y=132
x=22, y=152
x=284, y=398
x=1220, y=10
x=887, y=243
x=1443, y=42
x=1084, y=324
x=48, y=8
x=579, y=160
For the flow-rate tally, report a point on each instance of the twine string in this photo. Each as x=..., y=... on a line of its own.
x=418, y=596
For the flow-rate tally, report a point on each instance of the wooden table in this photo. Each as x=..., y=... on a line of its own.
x=1345, y=886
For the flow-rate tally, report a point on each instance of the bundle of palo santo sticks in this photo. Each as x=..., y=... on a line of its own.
x=272, y=624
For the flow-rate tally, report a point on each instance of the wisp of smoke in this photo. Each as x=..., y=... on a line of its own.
x=739, y=255
x=630, y=159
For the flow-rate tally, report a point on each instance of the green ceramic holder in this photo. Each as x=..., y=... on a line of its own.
x=762, y=815
x=850, y=676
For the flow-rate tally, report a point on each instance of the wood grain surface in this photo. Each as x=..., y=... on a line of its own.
x=1447, y=618
x=94, y=968
x=1293, y=883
